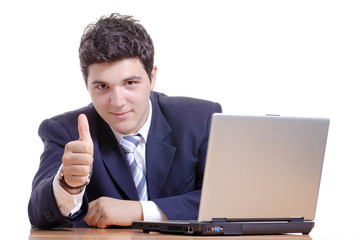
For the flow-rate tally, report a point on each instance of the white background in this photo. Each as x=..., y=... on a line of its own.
x=298, y=58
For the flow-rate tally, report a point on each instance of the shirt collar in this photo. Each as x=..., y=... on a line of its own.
x=144, y=130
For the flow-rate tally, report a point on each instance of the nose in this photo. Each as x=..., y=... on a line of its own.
x=117, y=98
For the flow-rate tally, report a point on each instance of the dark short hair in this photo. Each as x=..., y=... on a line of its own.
x=115, y=37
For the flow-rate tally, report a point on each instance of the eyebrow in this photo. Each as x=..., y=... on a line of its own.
x=123, y=80
x=97, y=82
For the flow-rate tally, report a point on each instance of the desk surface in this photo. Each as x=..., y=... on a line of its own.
x=130, y=234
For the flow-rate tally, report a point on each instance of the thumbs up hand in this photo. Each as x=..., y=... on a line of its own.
x=78, y=156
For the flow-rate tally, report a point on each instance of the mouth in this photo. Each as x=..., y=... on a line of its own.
x=121, y=115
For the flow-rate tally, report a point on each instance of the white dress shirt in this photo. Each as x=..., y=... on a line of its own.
x=69, y=204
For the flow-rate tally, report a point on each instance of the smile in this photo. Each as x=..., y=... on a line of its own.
x=121, y=115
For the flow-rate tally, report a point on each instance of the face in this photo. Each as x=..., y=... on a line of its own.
x=120, y=92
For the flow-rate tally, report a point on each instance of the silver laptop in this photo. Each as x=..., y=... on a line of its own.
x=262, y=176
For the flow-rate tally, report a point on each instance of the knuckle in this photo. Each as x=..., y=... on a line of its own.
x=75, y=181
x=67, y=169
x=66, y=157
x=89, y=148
x=84, y=179
x=90, y=160
x=69, y=180
x=69, y=146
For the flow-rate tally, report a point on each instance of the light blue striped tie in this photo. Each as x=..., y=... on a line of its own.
x=129, y=144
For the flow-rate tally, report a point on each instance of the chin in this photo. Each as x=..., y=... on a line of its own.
x=123, y=130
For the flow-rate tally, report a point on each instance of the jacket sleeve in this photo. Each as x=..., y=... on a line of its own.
x=42, y=209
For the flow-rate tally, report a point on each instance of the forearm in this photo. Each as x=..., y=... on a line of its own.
x=68, y=204
x=42, y=208
x=181, y=207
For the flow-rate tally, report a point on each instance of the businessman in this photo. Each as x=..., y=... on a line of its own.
x=133, y=153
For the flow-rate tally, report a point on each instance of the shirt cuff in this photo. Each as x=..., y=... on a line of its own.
x=151, y=212
x=67, y=203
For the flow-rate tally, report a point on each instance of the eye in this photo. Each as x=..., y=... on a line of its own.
x=101, y=86
x=131, y=83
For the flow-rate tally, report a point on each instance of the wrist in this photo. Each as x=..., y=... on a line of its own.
x=71, y=189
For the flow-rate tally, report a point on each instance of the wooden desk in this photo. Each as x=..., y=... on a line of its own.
x=130, y=234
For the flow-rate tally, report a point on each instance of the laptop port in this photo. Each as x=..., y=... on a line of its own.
x=189, y=230
x=214, y=229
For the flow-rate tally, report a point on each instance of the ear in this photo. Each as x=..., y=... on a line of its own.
x=153, y=77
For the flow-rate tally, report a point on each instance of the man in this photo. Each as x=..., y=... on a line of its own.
x=89, y=173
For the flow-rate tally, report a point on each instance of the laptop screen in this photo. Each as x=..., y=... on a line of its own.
x=265, y=167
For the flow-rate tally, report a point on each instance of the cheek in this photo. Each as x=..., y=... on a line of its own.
x=100, y=102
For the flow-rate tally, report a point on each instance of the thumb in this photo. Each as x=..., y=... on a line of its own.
x=84, y=130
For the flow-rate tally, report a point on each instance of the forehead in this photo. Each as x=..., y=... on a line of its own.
x=118, y=69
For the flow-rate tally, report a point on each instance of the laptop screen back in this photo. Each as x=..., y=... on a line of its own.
x=263, y=167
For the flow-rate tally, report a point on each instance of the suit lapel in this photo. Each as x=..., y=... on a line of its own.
x=115, y=161
x=159, y=153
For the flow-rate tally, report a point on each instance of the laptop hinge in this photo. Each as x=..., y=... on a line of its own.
x=293, y=219
x=298, y=219
x=219, y=220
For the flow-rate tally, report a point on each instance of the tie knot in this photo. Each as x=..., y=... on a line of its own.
x=130, y=143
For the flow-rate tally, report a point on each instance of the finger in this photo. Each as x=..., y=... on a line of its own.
x=102, y=223
x=96, y=219
x=71, y=159
x=77, y=170
x=83, y=128
x=93, y=210
x=101, y=218
x=89, y=216
x=79, y=147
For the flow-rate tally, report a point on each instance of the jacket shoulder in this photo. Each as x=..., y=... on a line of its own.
x=67, y=122
x=185, y=105
x=185, y=113
x=73, y=115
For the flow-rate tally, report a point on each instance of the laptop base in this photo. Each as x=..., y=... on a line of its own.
x=217, y=227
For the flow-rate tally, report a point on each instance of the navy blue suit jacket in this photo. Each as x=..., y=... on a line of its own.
x=175, y=158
